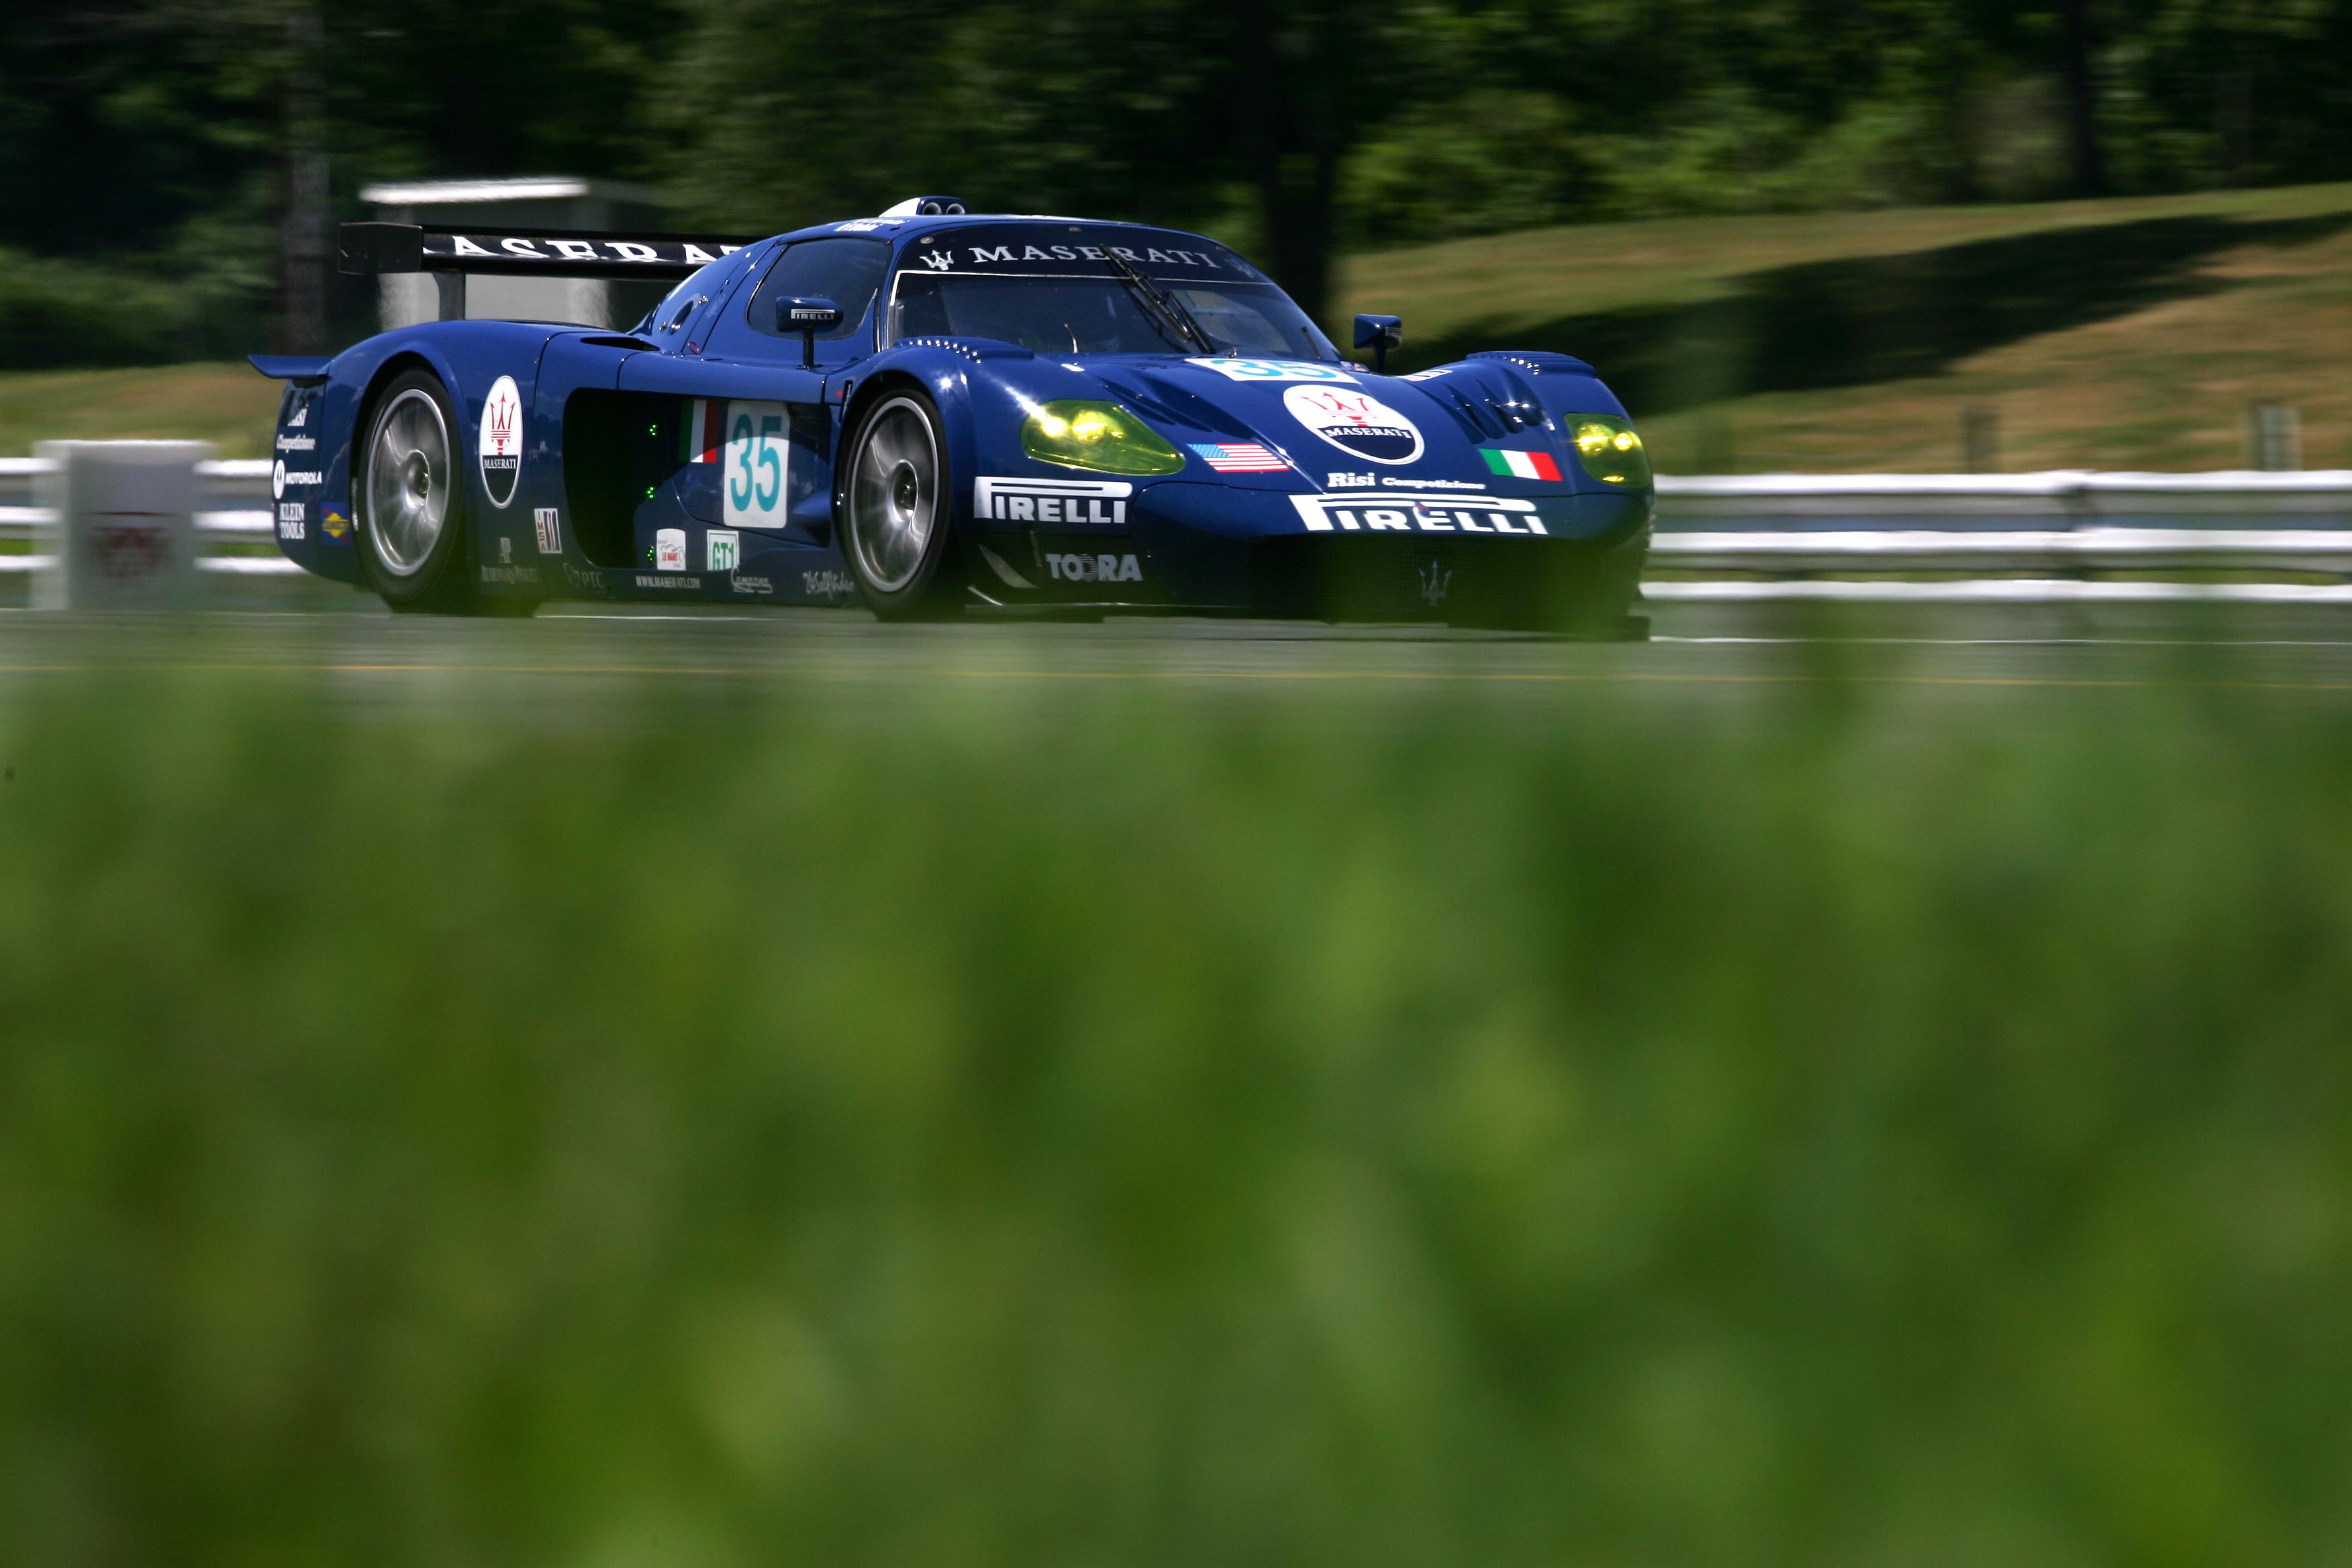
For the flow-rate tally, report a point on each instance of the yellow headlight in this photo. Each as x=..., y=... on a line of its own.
x=1098, y=436
x=1610, y=450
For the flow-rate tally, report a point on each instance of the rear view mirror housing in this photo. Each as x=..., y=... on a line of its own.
x=1379, y=334
x=807, y=316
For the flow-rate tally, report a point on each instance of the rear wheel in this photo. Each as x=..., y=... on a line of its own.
x=412, y=505
x=897, y=511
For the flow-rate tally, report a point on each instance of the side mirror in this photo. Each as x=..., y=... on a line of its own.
x=808, y=318
x=1379, y=334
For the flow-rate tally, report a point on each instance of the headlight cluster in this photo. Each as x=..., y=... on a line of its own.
x=1102, y=437
x=1609, y=450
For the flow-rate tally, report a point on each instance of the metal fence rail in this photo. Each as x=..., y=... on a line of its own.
x=241, y=488
x=2068, y=534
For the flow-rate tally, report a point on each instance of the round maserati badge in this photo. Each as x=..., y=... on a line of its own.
x=1356, y=423
x=502, y=442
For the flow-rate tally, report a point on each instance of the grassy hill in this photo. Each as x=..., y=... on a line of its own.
x=2128, y=333
x=2120, y=334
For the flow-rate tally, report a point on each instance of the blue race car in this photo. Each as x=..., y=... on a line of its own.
x=936, y=412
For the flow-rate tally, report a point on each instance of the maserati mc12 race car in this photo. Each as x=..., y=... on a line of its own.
x=936, y=412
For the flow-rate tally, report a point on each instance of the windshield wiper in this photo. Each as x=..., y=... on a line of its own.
x=1157, y=302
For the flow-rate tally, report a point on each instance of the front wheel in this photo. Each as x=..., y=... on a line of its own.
x=896, y=507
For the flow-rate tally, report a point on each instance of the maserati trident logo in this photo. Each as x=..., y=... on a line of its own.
x=1435, y=578
x=501, y=441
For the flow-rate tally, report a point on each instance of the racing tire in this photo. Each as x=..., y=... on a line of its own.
x=410, y=496
x=896, y=511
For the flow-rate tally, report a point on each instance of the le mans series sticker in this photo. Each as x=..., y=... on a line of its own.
x=502, y=442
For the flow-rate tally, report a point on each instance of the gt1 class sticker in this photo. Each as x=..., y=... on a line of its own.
x=723, y=549
x=502, y=442
x=758, y=455
x=1357, y=422
x=550, y=531
x=670, y=550
x=1380, y=513
x=1274, y=370
x=1051, y=501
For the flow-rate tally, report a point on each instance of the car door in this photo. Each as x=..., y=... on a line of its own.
x=755, y=467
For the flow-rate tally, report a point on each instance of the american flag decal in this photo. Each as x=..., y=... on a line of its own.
x=1239, y=458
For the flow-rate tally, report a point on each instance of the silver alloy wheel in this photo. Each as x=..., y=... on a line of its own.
x=410, y=477
x=894, y=494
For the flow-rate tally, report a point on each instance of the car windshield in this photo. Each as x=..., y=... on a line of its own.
x=1098, y=315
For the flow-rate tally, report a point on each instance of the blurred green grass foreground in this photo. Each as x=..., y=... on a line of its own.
x=1100, y=1132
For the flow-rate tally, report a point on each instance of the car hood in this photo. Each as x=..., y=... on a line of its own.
x=1338, y=427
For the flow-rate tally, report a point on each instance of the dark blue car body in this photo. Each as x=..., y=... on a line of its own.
x=694, y=458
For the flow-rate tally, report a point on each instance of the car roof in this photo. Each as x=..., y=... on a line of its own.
x=903, y=229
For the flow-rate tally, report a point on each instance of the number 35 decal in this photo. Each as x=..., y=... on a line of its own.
x=758, y=449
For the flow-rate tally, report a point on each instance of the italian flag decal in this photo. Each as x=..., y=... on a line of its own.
x=702, y=431
x=1523, y=465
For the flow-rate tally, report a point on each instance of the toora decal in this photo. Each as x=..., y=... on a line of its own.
x=501, y=441
x=1357, y=422
x=1095, y=568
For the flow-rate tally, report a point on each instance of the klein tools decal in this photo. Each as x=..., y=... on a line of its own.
x=1357, y=422
x=501, y=441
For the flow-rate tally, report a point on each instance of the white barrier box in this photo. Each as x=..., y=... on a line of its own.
x=122, y=524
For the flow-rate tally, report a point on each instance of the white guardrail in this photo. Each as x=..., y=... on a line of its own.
x=2067, y=535
x=2062, y=535
x=240, y=489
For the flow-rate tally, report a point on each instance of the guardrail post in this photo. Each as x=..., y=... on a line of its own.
x=121, y=523
x=2273, y=438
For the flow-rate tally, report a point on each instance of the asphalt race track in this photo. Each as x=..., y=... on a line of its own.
x=569, y=655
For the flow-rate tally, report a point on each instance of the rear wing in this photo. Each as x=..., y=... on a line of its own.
x=452, y=255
